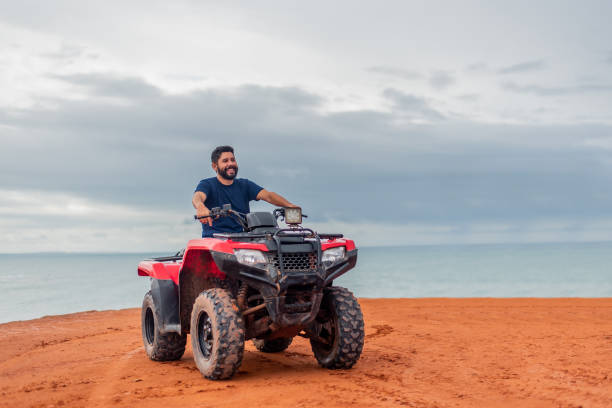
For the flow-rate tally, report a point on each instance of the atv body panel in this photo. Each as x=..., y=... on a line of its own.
x=291, y=282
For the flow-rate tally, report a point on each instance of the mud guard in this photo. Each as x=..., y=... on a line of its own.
x=166, y=298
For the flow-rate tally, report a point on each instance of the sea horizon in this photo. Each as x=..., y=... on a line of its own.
x=44, y=283
x=458, y=244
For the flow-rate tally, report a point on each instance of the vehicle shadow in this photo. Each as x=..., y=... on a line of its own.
x=256, y=364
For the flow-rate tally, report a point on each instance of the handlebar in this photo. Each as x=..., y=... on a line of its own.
x=226, y=211
x=219, y=212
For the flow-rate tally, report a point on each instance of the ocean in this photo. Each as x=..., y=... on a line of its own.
x=35, y=285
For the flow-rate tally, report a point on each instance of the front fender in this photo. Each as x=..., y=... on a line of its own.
x=340, y=268
x=256, y=277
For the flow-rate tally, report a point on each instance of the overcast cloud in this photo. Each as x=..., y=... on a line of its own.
x=108, y=119
x=523, y=67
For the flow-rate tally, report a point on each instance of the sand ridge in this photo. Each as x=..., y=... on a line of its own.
x=417, y=353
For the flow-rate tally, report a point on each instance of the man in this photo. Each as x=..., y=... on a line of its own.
x=227, y=189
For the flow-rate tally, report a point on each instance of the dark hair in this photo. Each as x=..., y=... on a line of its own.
x=214, y=156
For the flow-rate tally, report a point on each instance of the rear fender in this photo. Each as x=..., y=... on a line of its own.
x=166, y=299
x=159, y=270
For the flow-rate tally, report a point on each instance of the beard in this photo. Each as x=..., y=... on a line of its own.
x=223, y=172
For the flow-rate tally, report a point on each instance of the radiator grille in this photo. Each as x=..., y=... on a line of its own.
x=297, y=262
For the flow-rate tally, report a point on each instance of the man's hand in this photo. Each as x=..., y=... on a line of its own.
x=204, y=212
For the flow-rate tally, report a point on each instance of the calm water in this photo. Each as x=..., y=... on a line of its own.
x=46, y=284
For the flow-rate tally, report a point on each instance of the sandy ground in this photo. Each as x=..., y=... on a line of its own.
x=418, y=353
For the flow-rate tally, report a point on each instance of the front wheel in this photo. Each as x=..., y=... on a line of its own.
x=338, y=331
x=217, y=334
x=158, y=346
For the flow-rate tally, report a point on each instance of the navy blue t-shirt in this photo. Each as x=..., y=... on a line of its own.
x=238, y=194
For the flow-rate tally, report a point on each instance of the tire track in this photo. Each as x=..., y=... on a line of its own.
x=105, y=391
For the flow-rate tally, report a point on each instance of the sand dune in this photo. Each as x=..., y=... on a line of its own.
x=418, y=353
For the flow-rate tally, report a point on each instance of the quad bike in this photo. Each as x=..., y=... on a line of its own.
x=268, y=284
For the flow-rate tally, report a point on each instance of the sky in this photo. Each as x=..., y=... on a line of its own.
x=395, y=123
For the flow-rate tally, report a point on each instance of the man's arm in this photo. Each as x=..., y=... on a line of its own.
x=274, y=199
x=201, y=210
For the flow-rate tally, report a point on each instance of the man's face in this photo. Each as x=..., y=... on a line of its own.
x=226, y=166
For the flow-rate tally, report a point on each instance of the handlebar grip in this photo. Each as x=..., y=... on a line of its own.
x=195, y=217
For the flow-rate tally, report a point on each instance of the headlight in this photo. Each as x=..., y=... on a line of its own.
x=293, y=215
x=332, y=255
x=250, y=256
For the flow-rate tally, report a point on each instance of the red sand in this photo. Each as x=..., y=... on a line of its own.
x=418, y=353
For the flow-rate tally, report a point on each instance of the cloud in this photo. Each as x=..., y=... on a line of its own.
x=477, y=67
x=109, y=85
x=526, y=66
x=128, y=132
x=66, y=52
x=416, y=233
x=471, y=97
x=395, y=72
x=411, y=106
x=95, y=158
x=556, y=90
x=37, y=221
x=38, y=204
x=441, y=80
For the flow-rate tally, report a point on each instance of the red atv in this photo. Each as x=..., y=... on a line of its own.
x=267, y=283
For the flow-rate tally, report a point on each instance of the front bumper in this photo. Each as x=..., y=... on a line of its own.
x=275, y=285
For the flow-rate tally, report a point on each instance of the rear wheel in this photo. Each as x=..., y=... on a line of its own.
x=158, y=346
x=217, y=334
x=273, y=345
x=338, y=330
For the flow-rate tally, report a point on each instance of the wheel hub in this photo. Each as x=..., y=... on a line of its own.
x=205, y=335
x=326, y=330
x=149, y=326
